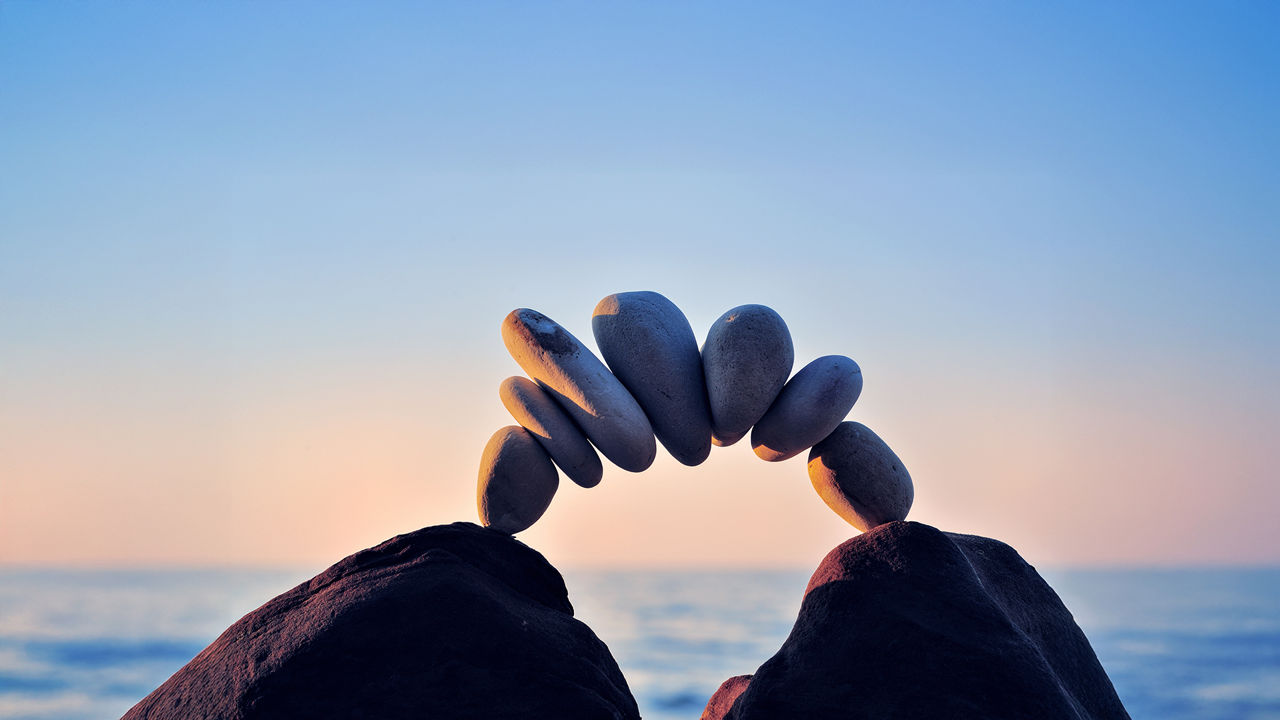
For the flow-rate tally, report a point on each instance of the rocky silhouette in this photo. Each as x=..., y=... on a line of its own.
x=906, y=621
x=459, y=621
x=452, y=621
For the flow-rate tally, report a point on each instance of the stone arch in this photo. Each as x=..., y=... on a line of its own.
x=659, y=386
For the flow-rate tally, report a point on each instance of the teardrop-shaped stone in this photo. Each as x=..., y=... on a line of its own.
x=516, y=482
x=650, y=346
x=746, y=360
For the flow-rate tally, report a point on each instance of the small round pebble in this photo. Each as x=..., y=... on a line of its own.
x=583, y=386
x=517, y=481
x=859, y=477
x=650, y=346
x=746, y=360
x=809, y=407
x=536, y=412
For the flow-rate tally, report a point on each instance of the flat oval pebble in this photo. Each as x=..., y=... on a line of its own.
x=745, y=360
x=517, y=481
x=536, y=412
x=809, y=407
x=859, y=477
x=583, y=386
x=650, y=346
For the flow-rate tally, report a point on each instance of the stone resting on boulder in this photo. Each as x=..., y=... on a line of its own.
x=452, y=621
x=458, y=621
x=906, y=621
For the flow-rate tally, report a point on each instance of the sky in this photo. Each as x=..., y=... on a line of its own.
x=254, y=259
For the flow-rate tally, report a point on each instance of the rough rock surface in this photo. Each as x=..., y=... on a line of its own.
x=516, y=480
x=809, y=407
x=724, y=696
x=746, y=360
x=860, y=477
x=650, y=346
x=583, y=386
x=452, y=621
x=906, y=621
x=536, y=412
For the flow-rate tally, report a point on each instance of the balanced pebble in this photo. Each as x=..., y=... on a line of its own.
x=746, y=360
x=517, y=481
x=583, y=386
x=534, y=409
x=809, y=407
x=859, y=477
x=650, y=346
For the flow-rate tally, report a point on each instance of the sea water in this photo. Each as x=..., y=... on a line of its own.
x=1178, y=644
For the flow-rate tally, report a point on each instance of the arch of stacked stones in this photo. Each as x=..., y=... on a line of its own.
x=658, y=385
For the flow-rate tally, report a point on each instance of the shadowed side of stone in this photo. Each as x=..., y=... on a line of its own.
x=452, y=621
x=906, y=621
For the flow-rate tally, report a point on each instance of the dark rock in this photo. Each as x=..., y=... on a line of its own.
x=906, y=621
x=452, y=621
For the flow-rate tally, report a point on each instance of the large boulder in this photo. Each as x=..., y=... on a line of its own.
x=906, y=621
x=452, y=621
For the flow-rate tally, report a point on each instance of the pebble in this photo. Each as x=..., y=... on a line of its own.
x=534, y=409
x=650, y=346
x=517, y=481
x=809, y=407
x=746, y=360
x=583, y=386
x=859, y=477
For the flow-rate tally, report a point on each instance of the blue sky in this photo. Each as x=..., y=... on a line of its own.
x=1068, y=211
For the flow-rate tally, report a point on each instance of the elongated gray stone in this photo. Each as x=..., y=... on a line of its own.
x=517, y=481
x=745, y=360
x=534, y=409
x=859, y=477
x=809, y=407
x=650, y=346
x=584, y=387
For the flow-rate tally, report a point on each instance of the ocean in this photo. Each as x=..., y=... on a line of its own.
x=1178, y=644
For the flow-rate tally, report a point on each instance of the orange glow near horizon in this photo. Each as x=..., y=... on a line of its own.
x=306, y=475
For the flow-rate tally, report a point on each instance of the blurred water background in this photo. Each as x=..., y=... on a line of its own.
x=1178, y=644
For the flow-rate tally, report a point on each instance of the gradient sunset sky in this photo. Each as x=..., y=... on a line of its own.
x=254, y=258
